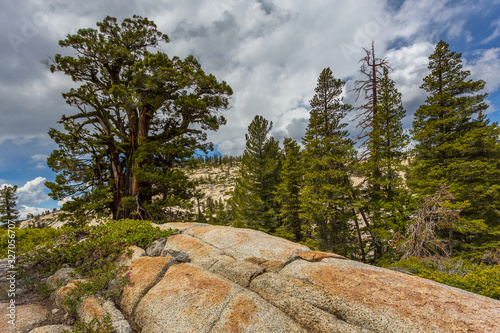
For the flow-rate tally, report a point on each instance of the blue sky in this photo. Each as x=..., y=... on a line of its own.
x=270, y=52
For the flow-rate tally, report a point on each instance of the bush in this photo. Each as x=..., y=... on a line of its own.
x=92, y=251
x=28, y=239
x=460, y=273
x=91, y=247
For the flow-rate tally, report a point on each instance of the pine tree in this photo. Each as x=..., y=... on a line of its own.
x=8, y=211
x=253, y=203
x=288, y=192
x=383, y=168
x=456, y=145
x=326, y=197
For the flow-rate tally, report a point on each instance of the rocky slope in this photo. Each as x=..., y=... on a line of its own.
x=221, y=279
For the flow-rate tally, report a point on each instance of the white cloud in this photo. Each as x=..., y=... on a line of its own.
x=24, y=210
x=39, y=157
x=496, y=32
x=486, y=67
x=61, y=202
x=33, y=192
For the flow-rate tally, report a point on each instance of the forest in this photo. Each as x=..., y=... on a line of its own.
x=424, y=201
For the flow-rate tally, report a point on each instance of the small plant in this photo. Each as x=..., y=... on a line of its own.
x=103, y=325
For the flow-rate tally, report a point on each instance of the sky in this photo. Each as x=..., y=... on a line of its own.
x=270, y=52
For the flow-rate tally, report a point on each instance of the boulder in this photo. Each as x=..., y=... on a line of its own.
x=59, y=296
x=386, y=301
x=92, y=308
x=247, y=243
x=143, y=274
x=60, y=278
x=179, y=226
x=191, y=299
x=51, y=329
x=136, y=252
x=27, y=317
x=223, y=279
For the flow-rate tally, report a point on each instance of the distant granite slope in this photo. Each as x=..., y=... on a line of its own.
x=221, y=279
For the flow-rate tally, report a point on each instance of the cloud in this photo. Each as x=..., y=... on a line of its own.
x=61, y=202
x=496, y=32
x=33, y=192
x=24, y=210
x=486, y=67
x=269, y=52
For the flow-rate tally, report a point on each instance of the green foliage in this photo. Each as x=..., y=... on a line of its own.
x=326, y=198
x=28, y=239
x=253, y=203
x=8, y=211
x=456, y=145
x=93, y=252
x=386, y=198
x=91, y=248
x=288, y=192
x=477, y=278
x=140, y=117
x=103, y=325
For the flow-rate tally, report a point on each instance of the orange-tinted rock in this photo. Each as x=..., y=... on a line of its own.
x=190, y=299
x=246, y=243
x=180, y=226
x=388, y=301
x=318, y=256
x=144, y=272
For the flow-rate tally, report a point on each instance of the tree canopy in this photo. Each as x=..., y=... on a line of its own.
x=140, y=115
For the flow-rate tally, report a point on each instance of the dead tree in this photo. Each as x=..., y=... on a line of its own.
x=373, y=69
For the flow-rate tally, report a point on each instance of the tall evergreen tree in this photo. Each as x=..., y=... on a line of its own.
x=8, y=203
x=329, y=152
x=384, y=166
x=140, y=115
x=455, y=143
x=288, y=192
x=253, y=203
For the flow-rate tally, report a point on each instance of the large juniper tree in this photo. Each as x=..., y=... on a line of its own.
x=140, y=114
x=455, y=144
x=327, y=202
x=253, y=203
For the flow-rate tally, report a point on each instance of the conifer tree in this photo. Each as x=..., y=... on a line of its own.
x=326, y=197
x=384, y=167
x=456, y=145
x=253, y=203
x=139, y=117
x=288, y=192
x=8, y=211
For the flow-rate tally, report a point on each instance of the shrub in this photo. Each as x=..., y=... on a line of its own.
x=28, y=239
x=92, y=251
x=460, y=273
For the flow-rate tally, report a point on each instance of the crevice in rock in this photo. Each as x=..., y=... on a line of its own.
x=158, y=279
x=253, y=277
x=288, y=262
